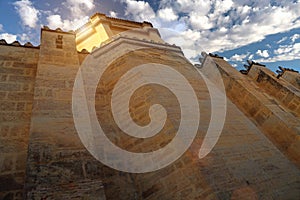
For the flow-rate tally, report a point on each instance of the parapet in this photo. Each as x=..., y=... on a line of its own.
x=290, y=75
x=102, y=28
x=17, y=44
x=248, y=67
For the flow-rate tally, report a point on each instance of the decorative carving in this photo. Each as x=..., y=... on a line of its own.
x=28, y=44
x=59, y=42
x=2, y=41
x=247, y=67
x=281, y=71
x=215, y=55
x=16, y=43
x=84, y=51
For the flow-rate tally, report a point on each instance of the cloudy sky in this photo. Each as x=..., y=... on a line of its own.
x=265, y=31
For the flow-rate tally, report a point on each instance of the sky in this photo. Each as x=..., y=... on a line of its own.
x=265, y=31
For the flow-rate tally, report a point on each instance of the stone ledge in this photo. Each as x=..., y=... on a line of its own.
x=282, y=128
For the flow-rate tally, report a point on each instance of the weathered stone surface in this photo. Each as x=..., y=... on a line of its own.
x=280, y=126
x=38, y=135
x=14, y=117
x=282, y=91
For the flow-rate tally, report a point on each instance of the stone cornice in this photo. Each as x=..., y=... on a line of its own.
x=106, y=48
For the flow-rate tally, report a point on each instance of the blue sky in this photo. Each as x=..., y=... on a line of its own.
x=265, y=31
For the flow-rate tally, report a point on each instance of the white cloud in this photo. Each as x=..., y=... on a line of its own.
x=79, y=8
x=200, y=6
x=295, y=37
x=113, y=14
x=23, y=38
x=222, y=6
x=27, y=12
x=167, y=14
x=283, y=49
x=263, y=53
x=237, y=57
x=251, y=57
x=216, y=25
x=8, y=37
x=139, y=10
x=55, y=21
x=1, y=27
x=284, y=53
x=282, y=40
x=200, y=22
x=225, y=25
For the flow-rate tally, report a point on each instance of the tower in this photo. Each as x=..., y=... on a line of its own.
x=49, y=153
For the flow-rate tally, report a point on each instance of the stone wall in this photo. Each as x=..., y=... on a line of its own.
x=279, y=125
x=57, y=165
x=36, y=117
x=17, y=76
x=244, y=163
x=292, y=77
x=278, y=88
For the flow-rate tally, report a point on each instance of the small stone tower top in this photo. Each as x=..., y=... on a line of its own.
x=102, y=28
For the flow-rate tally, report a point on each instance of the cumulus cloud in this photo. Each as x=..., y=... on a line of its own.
x=55, y=21
x=78, y=8
x=23, y=38
x=27, y=12
x=8, y=37
x=263, y=53
x=295, y=37
x=222, y=24
x=283, y=49
x=139, y=10
x=200, y=22
x=167, y=14
x=237, y=57
x=113, y=14
x=251, y=57
x=284, y=53
x=186, y=6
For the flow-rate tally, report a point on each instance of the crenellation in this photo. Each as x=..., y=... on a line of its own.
x=17, y=71
x=43, y=157
x=265, y=114
x=282, y=91
x=293, y=77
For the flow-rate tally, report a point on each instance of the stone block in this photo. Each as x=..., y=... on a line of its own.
x=7, y=164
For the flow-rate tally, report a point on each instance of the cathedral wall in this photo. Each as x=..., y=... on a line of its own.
x=281, y=90
x=280, y=126
x=292, y=77
x=57, y=164
x=38, y=133
x=17, y=77
x=244, y=163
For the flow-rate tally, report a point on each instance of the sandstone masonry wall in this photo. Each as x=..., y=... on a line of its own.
x=282, y=91
x=57, y=164
x=37, y=124
x=292, y=77
x=280, y=126
x=17, y=76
